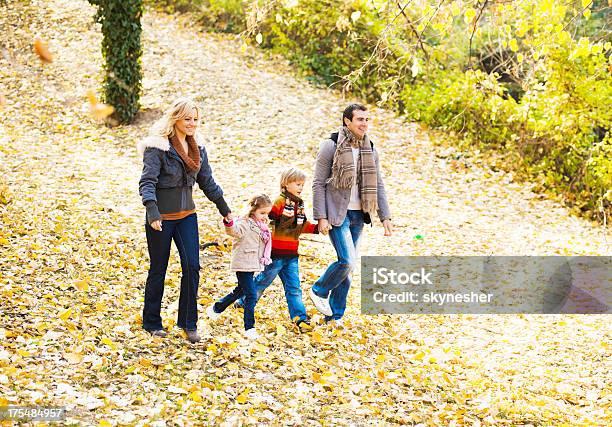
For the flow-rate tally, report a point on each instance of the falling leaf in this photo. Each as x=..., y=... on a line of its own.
x=259, y=38
x=42, y=51
x=97, y=109
x=355, y=15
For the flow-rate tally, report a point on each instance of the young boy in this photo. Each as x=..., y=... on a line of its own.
x=287, y=221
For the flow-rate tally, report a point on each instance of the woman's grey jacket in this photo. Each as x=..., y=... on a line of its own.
x=166, y=185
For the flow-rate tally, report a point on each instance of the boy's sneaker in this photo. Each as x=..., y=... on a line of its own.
x=320, y=303
x=304, y=325
x=211, y=313
x=251, y=334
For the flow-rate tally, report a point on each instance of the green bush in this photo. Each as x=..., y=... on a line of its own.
x=544, y=101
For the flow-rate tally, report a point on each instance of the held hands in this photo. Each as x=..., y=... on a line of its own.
x=157, y=225
x=324, y=226
x=388, y=227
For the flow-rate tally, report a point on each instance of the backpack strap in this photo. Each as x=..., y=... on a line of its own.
x=334, y=137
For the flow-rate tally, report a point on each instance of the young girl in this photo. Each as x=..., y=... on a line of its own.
x=250, y=254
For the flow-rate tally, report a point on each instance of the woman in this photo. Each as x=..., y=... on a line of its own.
x=174, y=159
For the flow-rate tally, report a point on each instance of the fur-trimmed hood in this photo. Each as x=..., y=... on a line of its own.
x=162, y=142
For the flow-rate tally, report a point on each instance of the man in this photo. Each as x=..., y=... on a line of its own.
x=347, y=190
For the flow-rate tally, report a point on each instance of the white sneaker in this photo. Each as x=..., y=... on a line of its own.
x=251, y=334
x=211, y=313
x=321, y=304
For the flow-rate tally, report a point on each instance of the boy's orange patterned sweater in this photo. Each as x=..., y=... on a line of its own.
x=288, y=221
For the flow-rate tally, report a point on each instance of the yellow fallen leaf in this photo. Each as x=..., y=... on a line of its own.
x=316, y=336
x=446, y=378
x=109, y=343
x=244, y=396
x=23, y=353
x=73, y=358
x=261, y=348
x=380, y=358
x=104, y=423
x=82, y=285
x=196, y=396
x=419, y=356
x=66, y=314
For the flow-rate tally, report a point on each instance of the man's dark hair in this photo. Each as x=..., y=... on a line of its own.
x=348, y=112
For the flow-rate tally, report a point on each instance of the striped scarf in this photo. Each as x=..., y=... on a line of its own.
x=344, y=174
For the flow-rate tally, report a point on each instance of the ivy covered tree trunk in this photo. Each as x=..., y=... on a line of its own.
x=122, y=51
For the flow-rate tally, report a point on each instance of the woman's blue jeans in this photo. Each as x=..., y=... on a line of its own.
x=184, y=232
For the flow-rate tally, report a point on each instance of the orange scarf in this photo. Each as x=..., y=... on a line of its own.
x=192, y=158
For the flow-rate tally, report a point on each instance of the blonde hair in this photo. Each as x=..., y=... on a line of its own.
x=257, y=202
x=179, y=109
x=290, y=175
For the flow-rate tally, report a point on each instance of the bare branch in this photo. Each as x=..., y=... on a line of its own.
x=475, y=24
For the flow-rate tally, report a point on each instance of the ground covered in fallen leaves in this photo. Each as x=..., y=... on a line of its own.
x=73, y=255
